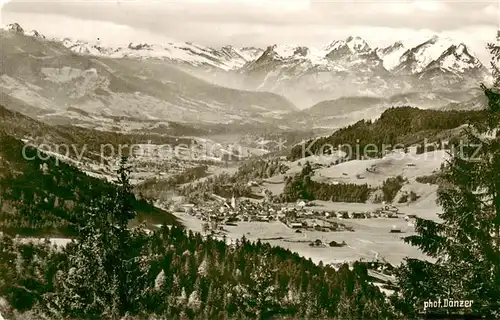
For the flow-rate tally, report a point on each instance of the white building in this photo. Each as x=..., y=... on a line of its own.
x=233, y=202
x=301, y=204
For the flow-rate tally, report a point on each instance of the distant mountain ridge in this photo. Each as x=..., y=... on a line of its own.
x=47, y=80
x=226, y=58
x=337, y=113
x=449, y=54
x=351, y=67
x=432, y=74
x=15, y=27
x=395, y=57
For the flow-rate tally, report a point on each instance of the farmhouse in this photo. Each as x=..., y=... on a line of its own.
x=336, y=244
x=295, y=225
x=316, y=243
x=358, y=215
x=301, y=204
x=188, y=207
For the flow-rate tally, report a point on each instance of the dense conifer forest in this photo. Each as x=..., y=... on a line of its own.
x=301, y=186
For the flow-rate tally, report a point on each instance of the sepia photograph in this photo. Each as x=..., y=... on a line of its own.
x=249, y=159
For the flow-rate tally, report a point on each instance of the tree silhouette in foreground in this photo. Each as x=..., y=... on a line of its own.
x=106, y=269
x=466, y=243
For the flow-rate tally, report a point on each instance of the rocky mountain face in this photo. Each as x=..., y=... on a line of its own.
x=226, y=58
x=343, y=81
x=307, y=75
x=49, y=81
x=351, y=67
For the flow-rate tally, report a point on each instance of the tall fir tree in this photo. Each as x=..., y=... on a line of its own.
x=107, y=272
x=466, y=243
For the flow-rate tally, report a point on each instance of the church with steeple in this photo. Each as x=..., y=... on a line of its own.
x=233, y=202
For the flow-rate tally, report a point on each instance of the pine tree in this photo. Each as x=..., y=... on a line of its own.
x=466, y=244
x=108, y=265
x=306, y=170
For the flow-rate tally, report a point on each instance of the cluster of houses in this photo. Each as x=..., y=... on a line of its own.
x=222, y=211
x=386, y=211
x=314, y=225
x=233, y=210
x=319, y=243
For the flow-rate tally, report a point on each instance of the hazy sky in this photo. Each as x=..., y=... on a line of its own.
x=259, y=22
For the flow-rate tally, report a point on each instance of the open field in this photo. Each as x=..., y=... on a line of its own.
x=367, y=171
x=375, y=171
x=370, y=240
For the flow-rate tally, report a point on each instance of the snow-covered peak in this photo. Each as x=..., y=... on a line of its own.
x=86, y=48
x=461, y=49
x=15, y=27
x=419, y=57
x=284, y=51
x=354, y=44
x=456, y=59
x=398, y=45
x=239, y=57
x=357, y=44
x=251, y=53
x=391, y=55
x=35, y=34
x=295, y=53
x=230, y=52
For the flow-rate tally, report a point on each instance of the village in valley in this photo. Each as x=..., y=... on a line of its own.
x=362, y=209
x=216, y=215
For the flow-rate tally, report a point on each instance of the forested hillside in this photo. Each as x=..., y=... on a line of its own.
x=300, y=186
x=42, y=196
x=403, y=125
x=73, y=139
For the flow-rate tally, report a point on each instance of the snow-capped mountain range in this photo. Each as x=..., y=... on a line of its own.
x=44, y=79
x=434, y=73
x=15, y=27
x=227, y=58
x=341, y=55
x=440, y=52
x=351, y=67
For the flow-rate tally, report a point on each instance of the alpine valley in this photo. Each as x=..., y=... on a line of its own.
x=181, y=181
